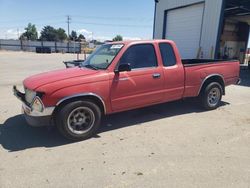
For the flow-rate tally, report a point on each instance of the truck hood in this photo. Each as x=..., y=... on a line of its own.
x=38, y=80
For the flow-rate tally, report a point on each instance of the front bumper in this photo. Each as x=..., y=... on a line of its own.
x=37, y=119
x=33, y=117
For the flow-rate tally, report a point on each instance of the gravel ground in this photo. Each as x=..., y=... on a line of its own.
x=169, y=145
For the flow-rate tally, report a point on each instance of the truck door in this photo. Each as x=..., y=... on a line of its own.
x=141, y=86
x=173, y=73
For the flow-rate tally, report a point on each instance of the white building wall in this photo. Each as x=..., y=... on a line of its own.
x=210, y=27
x=210, y=24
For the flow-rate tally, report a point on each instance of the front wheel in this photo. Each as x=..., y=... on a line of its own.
x=211, y=96
x=78, y=120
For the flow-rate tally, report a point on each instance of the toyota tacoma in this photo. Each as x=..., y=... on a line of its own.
x=120, y=76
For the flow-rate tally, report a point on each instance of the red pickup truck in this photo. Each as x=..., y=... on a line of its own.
x=121, y=76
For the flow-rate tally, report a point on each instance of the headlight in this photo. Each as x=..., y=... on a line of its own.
x=29, y=95
x=37, y=105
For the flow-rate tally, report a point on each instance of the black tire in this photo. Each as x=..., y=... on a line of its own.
x=74, y=130
x=208, y=92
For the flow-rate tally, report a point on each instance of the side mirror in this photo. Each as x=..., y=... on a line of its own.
x=123, y=68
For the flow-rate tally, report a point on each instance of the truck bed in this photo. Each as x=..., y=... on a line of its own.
x=193, y=62
x=196, y=70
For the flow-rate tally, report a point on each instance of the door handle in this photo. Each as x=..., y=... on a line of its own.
x=121, y=79
x=156, y=75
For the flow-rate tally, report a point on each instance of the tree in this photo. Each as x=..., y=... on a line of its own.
x=73, y=35
x=81, y=37
x=118, y=38
x=30, y=33
x=49, y=33
x=61, y=35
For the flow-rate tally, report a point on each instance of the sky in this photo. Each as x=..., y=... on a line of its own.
x=100, y=19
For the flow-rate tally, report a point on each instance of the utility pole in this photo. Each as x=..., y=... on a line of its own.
x=18, y=35
x=68, y=22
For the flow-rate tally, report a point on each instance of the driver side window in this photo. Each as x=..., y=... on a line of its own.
x=140, y=56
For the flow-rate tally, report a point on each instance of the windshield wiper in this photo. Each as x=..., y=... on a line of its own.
x=91, y=67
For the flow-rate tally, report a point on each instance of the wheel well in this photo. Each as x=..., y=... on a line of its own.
x=91, y=98
x=211, y=79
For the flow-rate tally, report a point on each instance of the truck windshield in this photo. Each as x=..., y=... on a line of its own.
x=102, y=57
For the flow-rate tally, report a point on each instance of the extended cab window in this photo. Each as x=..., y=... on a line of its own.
x=167, y=54
x=140, y=56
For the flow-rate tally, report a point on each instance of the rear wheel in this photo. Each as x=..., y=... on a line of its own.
x=78, y=120
x=211, y=96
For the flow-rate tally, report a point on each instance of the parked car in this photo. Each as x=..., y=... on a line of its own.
x=121, y=76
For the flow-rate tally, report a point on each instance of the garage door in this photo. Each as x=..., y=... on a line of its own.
x=184, y=27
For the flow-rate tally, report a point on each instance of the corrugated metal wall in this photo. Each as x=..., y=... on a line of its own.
x=210, y=25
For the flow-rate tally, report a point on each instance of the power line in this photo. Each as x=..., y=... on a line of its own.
x=140, y=19
x=69, y=21
x=117, y=25
x=23, y=26
x=116, y=18
x=31, y=19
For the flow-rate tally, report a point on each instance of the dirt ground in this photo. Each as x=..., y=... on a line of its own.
x=169, y=145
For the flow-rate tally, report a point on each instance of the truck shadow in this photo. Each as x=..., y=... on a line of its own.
x=156, y=112
x=16, y=135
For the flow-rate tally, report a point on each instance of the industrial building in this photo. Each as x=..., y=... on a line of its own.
x=204, y=28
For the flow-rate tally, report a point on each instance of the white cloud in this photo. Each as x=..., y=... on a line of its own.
x=132, y=38
x=102, y=38
x=85, y=31
x=88, y=34
x=12, y=34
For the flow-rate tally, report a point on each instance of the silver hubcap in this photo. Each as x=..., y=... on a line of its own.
x=213, y=96
x=81, y=120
